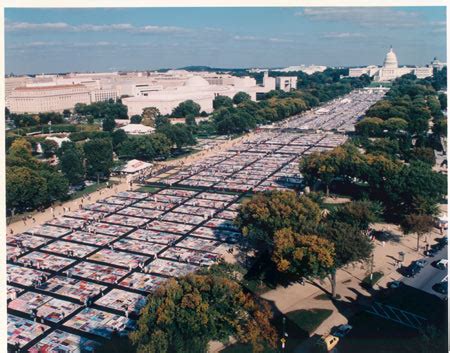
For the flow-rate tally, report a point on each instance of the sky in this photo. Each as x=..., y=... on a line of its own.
x=65, y=40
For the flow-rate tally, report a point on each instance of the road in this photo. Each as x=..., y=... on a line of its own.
x=429, y=275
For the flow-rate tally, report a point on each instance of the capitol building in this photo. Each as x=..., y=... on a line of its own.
x=390, y=69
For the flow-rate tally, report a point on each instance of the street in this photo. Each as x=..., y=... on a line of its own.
x=429, y=275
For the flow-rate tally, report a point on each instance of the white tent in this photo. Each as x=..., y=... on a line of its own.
x=138, y=129
x=135, y=166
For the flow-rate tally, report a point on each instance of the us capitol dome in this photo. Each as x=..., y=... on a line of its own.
x=391, y=70
x=390, y=61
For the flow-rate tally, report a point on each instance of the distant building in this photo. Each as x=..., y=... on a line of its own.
x=286, y=83
x=47, y=98
x=306, y=69
x=390, y=70
x=436, y=64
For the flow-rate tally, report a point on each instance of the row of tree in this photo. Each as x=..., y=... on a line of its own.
x=29, y=182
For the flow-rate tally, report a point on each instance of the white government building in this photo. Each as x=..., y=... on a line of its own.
x=138, y=90
x=390, y=69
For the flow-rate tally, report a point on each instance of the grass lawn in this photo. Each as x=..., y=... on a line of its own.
x=376, y=276
x=256, y=286
x=309, y=320
x=87, y=190
x=148, y=189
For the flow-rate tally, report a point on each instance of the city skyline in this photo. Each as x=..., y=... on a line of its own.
x=64, y=40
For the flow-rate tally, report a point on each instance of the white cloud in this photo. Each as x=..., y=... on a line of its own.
x=26, y=26
x=364, y=16
x=332, y=35
x=252, y=38
x=62, y=26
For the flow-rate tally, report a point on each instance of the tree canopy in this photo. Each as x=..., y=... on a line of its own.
x=184, y=314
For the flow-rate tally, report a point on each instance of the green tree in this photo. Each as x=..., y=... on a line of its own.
x=415, y=189
x=185, y=108
x=424, y=154
x=241, y=97
x=71, y=162
x=108, y=124
x=118, y=137
x=180, y=135
x=99, y=161
x=183, y=315
x=418, y=224
x=395, y=125
x=346, y=227
x=222, y=102
x=57, y=185
x=369, y=127
x=135, y=119
x=24, y=188
x=49, y=148
x=66, y=113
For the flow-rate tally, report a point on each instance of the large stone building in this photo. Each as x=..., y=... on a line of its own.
x=47, y=98
x=163, y=90
x=390, y=70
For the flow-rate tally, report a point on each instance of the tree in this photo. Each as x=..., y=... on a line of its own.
x=57, y=184
x=161, y=121
x=20, y=148
x=323, y=167
x=190, y=121
x=185, y=108
x=395, y=125
x=415, y=189
x=222, y=102
x=183, y=315
x=108, y=124
x=369, y=127
x=418, y=224
x=25, y=188
x=99, y=159
x=135, y=119
x=71, y=162
x=302, y=255
x=266, y=213
x=66, y=113
x=241, y=97
x=424, y=154
x=180, y=135
x=118, y=137
x=346, y=227
x=49, y=148
x=150, y=115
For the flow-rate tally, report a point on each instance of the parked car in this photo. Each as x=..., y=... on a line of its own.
x=421, y=262
x=412, y=270
x=441, y=287
x=326, y=343
x=342, y=330
x=394, y=284
x=442, y=264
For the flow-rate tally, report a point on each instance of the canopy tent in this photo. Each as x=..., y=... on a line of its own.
x=134, y=166
x=138, y=129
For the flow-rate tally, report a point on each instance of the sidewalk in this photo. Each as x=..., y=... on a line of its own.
x=298, y=297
